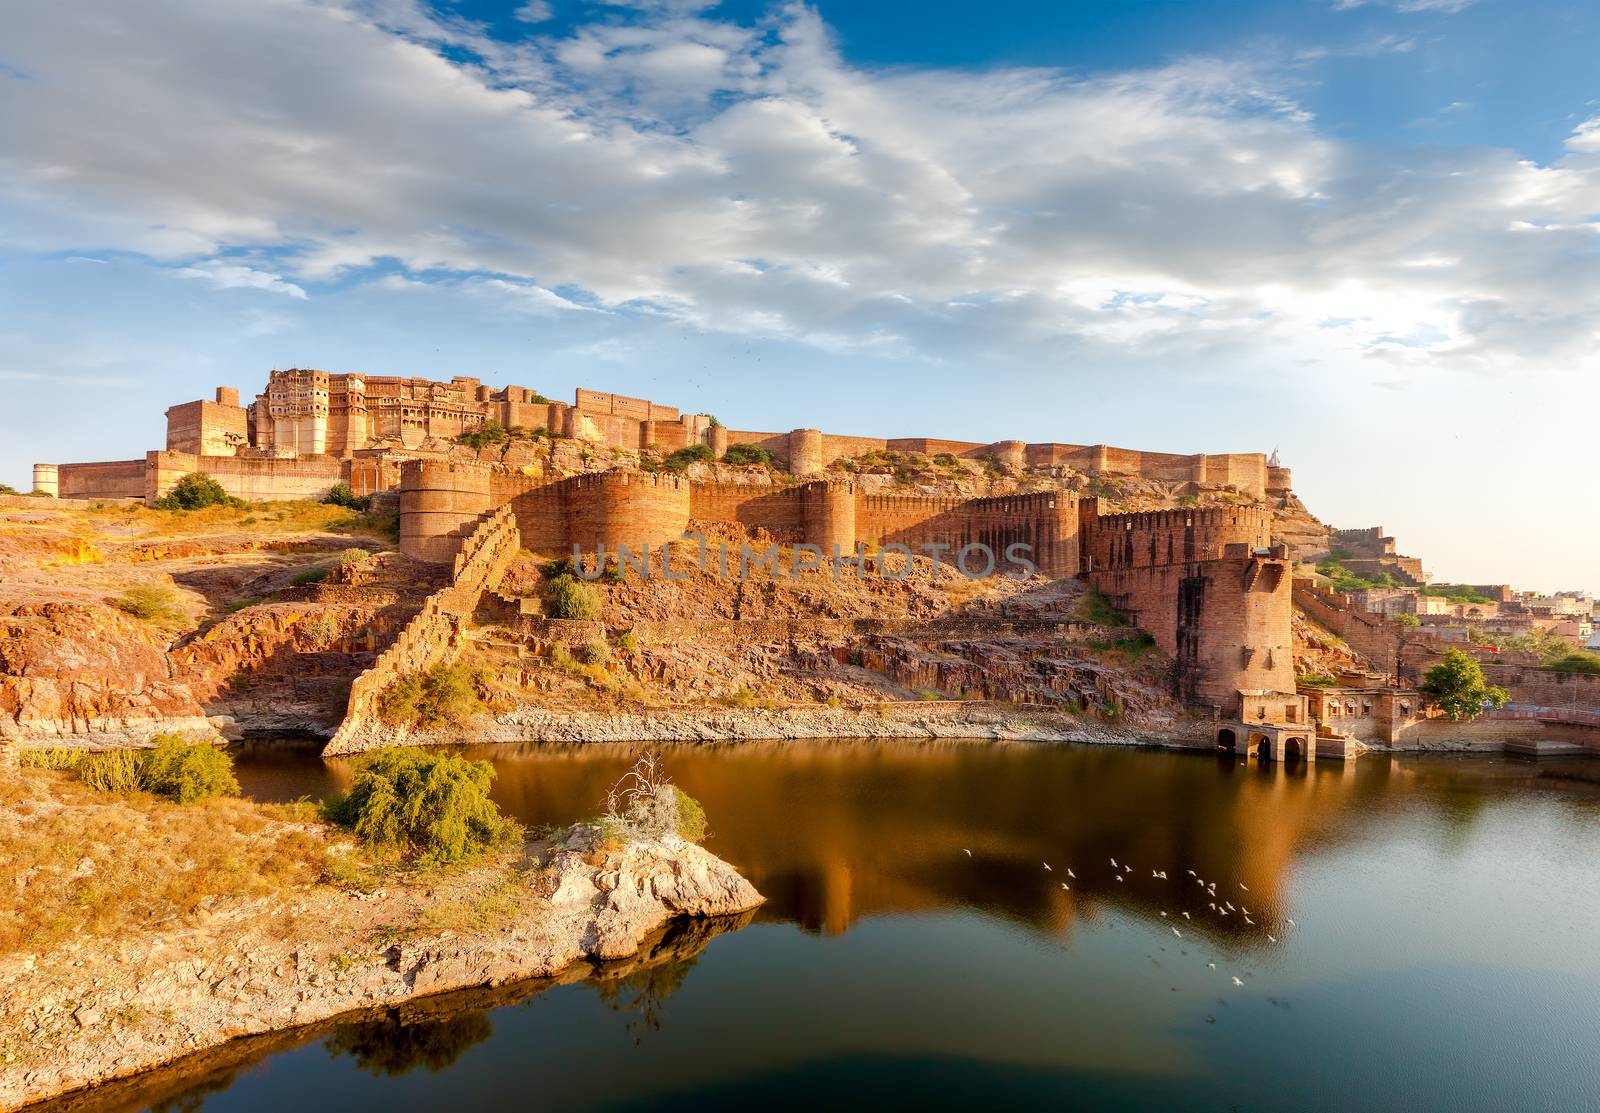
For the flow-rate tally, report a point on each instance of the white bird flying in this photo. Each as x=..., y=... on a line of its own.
x=1119, y=877
x=1249, y=921
x=1291, y=923
x=1193, y=874
x=1064, y=885
x=1224, y=911
x=967, y=852
x=1178, y=933
x=1163, y=915
x=1113, y=863
x=1047, y=867
x=1271, y=938
x=1186, y=916
x=1236, y=980
x=1071, y=874
x=1243, y=886
x=1211, y=966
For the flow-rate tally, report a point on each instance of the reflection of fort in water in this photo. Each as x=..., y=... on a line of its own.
x=832, y=832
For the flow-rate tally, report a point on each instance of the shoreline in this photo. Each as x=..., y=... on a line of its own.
x=927, y=720
x=130, y=1005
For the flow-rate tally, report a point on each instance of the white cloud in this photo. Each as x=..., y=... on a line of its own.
x=534, y=11
x=233, y=276
x=1447, y=7
x=747, y=180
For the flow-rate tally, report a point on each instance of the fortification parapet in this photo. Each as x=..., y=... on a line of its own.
x=438, y=499
x=1159, y=537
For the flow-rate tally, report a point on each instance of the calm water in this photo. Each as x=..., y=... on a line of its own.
x=1447, y=953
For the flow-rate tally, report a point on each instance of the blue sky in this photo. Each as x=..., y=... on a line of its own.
x=1368, y=233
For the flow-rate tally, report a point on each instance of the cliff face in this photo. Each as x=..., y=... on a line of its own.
x=236, y=630
x=86, y=670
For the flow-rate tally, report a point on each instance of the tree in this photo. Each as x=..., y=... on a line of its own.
x=1460, y=687
x=1407, y=620
x=196, y=491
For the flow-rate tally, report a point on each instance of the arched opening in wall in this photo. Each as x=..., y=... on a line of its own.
x=1294, y=749
x=1226, y=739
x=1261, y=747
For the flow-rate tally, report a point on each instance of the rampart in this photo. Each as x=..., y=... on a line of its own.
x=428, y=638
x=1225, y=620
x=635, y=509
x=1166, y=537
x=243, y=477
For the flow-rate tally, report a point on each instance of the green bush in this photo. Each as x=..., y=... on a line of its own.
x=352, y=555
x=443, y=694
x=432, y=808
x=694, y=454
x=110, y=771
x=341, y=494
x=196, y=491
x=310, y=576
x=628, y=642
x=570, y=597
x=186, y=771
x=743, y=455
x=1408, y=620
x=944, y=460
x=7, y=489
x=1577, y=661
x=595, y=652
x=152, y=603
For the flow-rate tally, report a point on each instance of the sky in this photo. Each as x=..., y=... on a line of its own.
x=1364, y=232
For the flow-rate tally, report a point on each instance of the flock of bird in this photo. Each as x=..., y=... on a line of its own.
x=1222, y=907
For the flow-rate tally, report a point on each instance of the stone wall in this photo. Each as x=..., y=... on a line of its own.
x=207, y=428
x=438, y=500
x=428, y=638
x=254, y=479
x=1226, y=622
x=1165, y=537
x=110, y=479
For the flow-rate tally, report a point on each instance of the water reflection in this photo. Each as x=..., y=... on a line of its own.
x=1443, y=958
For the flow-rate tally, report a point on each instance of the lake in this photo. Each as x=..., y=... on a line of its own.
x=1444, y=954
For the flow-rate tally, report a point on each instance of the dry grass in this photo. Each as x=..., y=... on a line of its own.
x=265, y=517
x=77, y=863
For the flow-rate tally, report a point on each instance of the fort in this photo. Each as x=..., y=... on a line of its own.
x=1208, y=584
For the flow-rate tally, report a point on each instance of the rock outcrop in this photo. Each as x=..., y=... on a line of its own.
x=161, y=996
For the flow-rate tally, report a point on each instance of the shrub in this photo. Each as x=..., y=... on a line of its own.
x=433, y=808
x=352, y=555
x=1096, y=608
x=645, y=804
x=186, y=771
x=443, y=694
x=594, y=652
x=111, y=771
x=742, y=455
x=7, y=489
x=1577, y=661
x=152, y=603
x=572, y=598
x=310, y=576
x=1408, y=620
x=694, y=454
x=321, y=632
x=341, y=494
x=628, y=642
x=196, y=491
x=944, y=459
